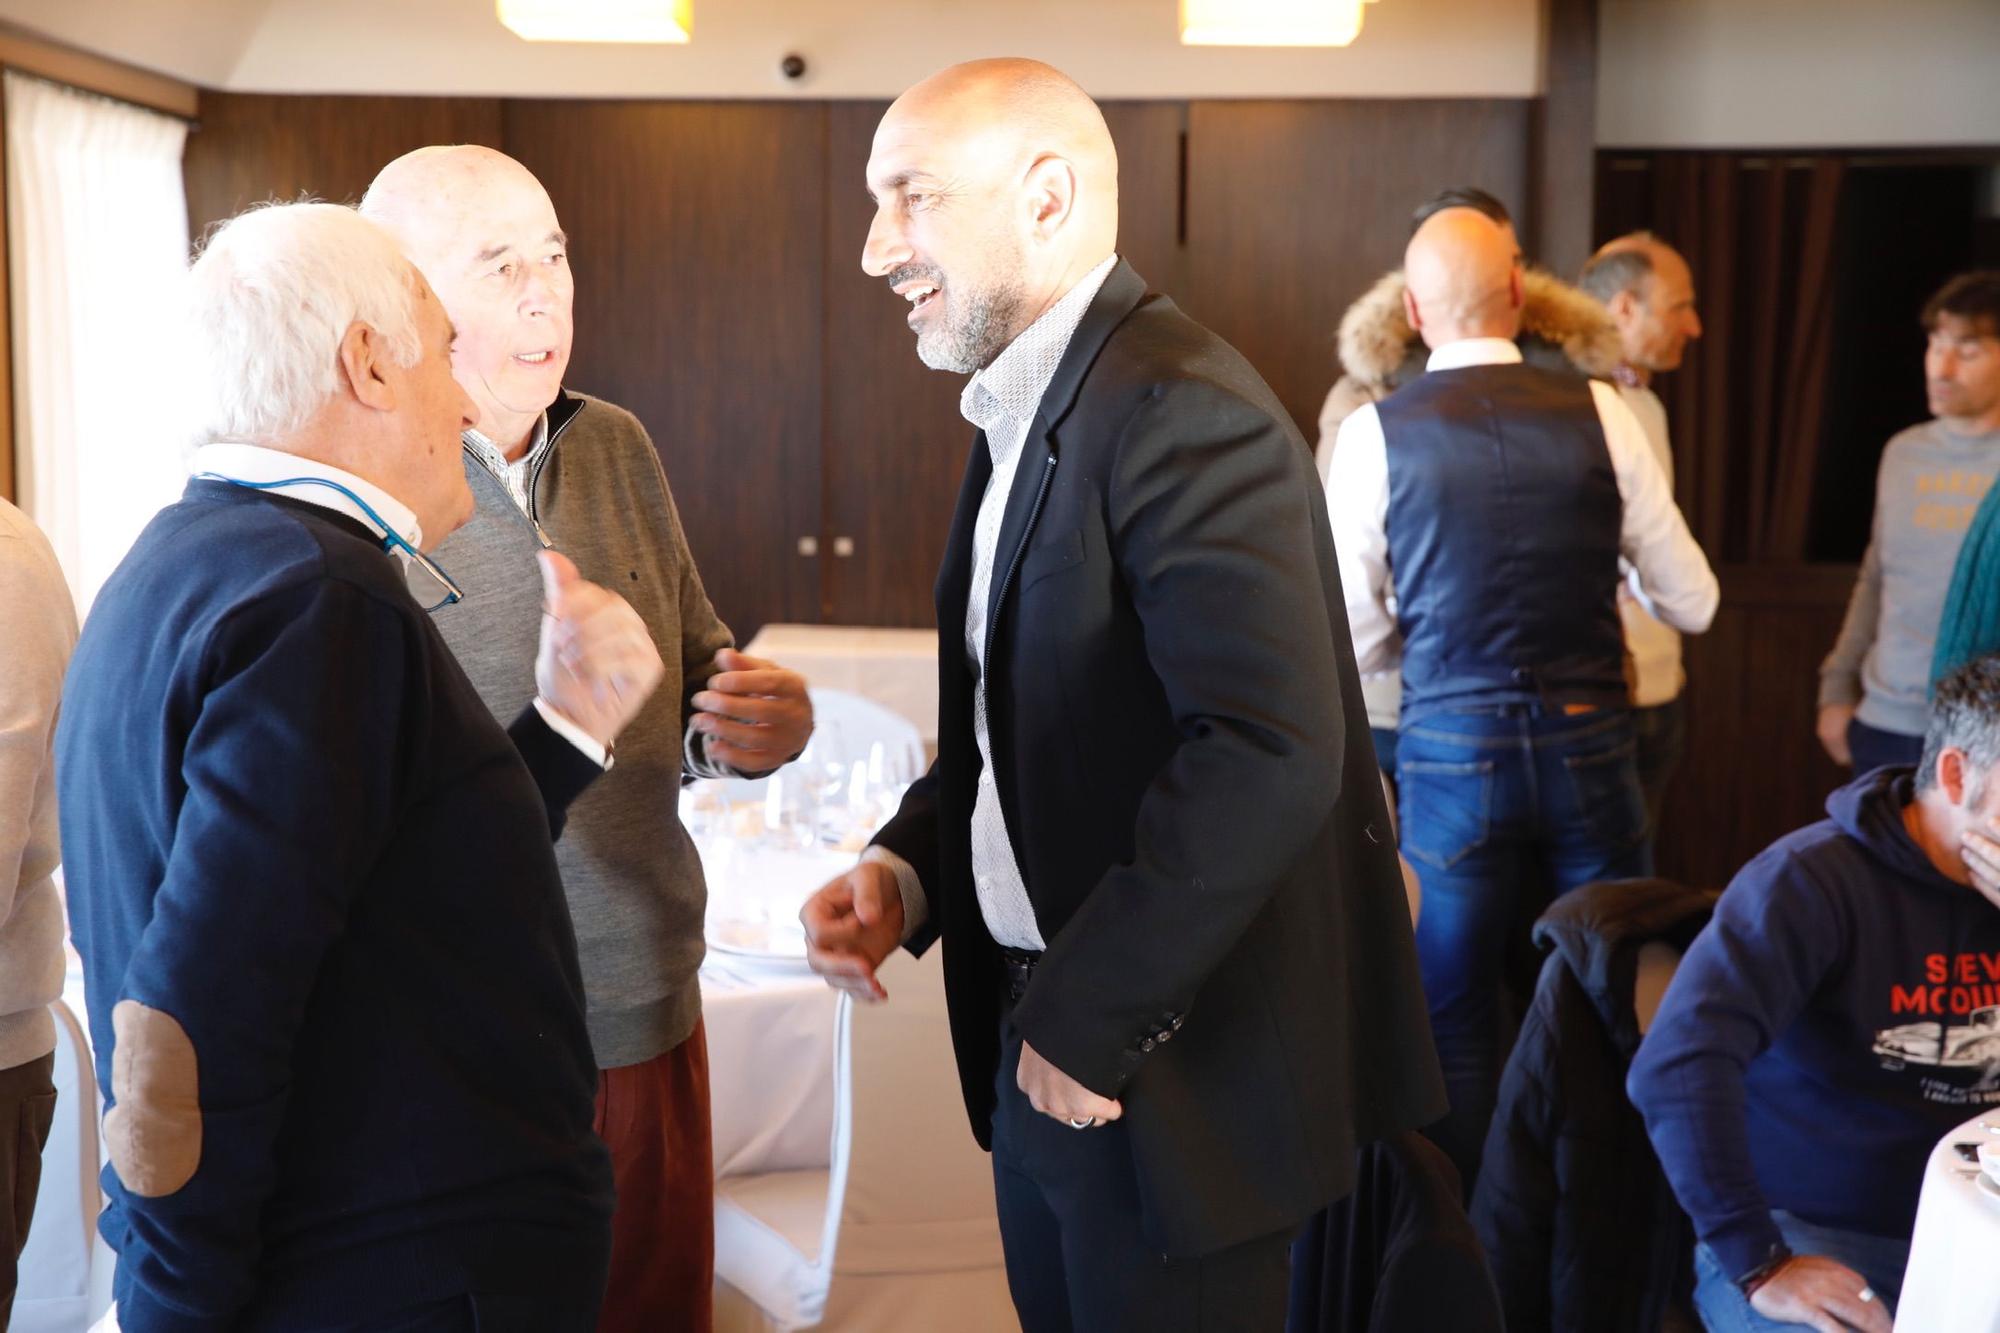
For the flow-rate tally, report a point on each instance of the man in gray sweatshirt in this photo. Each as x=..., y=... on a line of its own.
x=552, y=467
x=38, y=629
x=1874, y=686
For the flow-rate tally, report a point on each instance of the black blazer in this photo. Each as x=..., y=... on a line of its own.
x=1188, y=781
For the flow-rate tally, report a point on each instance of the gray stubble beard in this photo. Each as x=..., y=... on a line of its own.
x=970, y=342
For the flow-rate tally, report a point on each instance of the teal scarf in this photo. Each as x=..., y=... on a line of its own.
x=1970, y=626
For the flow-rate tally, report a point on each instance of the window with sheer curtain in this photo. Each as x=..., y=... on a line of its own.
x=97, y=251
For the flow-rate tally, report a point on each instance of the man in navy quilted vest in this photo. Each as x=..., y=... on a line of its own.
x=1500, y=497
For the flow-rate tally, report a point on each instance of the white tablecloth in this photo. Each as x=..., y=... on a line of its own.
x=770, y=1065
x=1953, y=1283
x=769, y=1019
x=896, y=668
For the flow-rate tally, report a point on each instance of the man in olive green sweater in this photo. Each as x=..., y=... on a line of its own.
x=550, y=466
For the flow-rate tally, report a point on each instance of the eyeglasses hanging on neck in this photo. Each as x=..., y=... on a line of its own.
x=391, y=539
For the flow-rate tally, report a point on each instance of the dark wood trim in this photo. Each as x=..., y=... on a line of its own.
x=30, y=54
x=1643, y=158
x=1562, y=139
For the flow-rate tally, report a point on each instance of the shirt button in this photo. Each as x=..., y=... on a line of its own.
x=1146, y=1045
x=985, y=778
x=985, y=884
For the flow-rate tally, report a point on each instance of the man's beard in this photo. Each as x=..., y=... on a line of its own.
x=980, y=327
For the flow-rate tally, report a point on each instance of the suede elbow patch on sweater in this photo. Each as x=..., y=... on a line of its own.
x=153, y=1130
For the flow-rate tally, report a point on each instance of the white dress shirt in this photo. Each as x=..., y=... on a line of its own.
x=517, y=473
x=235, y=461
x=1674, y=576
x=1657, y=675
x=1001, y=401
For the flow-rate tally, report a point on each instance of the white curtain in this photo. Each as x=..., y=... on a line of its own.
x=97, y=255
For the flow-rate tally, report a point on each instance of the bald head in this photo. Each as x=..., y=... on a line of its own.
x=1461, y=278
x=996, y=183
x=424, y=197
x=1008, y=114
x=484, y=232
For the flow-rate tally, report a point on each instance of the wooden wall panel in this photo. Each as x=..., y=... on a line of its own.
x=1295, y=207
x=1151, y=138
x=248, y=148
x=895, y=444
x=696, y=236
x=1753, y=770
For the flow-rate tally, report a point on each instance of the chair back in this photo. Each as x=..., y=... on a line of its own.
x=54, y=1291
x=908, y=1178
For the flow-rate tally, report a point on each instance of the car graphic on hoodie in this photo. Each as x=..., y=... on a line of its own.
x=1973, y=1043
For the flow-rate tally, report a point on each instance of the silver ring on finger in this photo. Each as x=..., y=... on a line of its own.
x=1865, y=1295
x=1083, y=1122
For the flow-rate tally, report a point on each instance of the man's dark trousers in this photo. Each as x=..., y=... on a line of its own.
x=27, y=1110
x=1076, y=1259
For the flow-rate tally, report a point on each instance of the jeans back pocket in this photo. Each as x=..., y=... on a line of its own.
x=1447, y=808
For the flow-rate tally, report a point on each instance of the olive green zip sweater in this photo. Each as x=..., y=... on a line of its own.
x=629, y=869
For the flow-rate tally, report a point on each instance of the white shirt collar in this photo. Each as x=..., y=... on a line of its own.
x=1013, y=385
x=1475, y=352
x=496, y=457
x=235, y=461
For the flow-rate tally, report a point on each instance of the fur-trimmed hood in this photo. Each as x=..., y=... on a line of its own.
x=1376, y=341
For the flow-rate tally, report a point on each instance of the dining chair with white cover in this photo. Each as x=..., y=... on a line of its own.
x=54, y=1292
x=900, y=1234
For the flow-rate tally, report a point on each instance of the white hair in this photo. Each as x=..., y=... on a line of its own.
x=271, y=298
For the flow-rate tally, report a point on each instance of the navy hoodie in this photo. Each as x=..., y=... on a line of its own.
x=1839, y=1016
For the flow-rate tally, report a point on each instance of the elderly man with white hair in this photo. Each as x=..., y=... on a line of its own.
x=332, y=984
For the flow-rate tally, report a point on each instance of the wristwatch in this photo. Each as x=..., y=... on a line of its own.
x=1764, y=1272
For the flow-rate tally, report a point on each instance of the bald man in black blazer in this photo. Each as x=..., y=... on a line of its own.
x=1179, y=963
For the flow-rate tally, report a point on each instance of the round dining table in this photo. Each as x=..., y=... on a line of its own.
x=1953, y=1282
x=770, y=1019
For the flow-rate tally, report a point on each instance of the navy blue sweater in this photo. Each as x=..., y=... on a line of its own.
x=1839, y=1016
x=290, y=824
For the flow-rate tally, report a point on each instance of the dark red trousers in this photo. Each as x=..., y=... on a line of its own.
x=654, y=1118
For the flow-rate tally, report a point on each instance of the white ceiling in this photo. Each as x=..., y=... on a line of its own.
x=1672, y=73
x=854, y=48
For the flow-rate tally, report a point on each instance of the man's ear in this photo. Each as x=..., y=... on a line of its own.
x=1051, y=190
x=1623, y=306
x=1410, y=315
x=1516, y=294
x=364, y=356
x=1951, y=774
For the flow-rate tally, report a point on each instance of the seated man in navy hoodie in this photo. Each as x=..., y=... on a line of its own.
x=333, y=991
x=1801, y=1067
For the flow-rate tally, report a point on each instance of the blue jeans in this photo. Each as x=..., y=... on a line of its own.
x=1873, y=748
x=1879, y=1259
x=1385, y=750
x=1502, y=812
